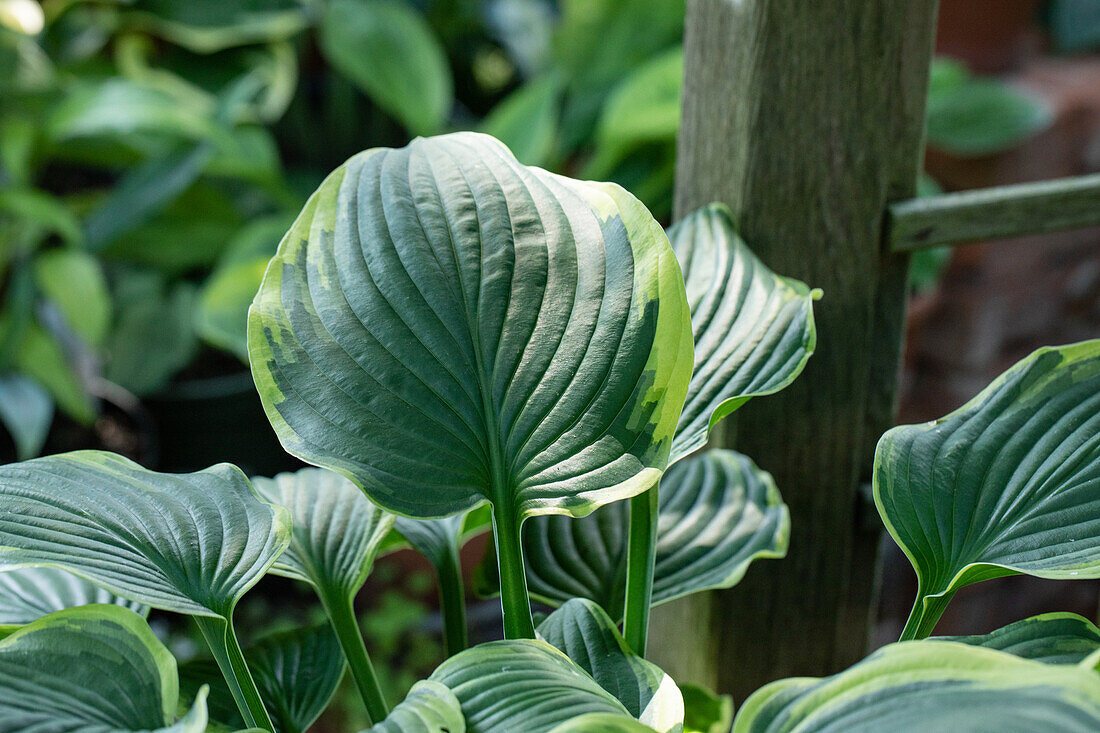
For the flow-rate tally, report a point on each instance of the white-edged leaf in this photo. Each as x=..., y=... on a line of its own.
x=28, y=594
x=586, y=634
x=430, y=707
x=1053, y=638
x=446, y=326
x=1008, y=483
x=191, y=543
x=521, y=685
x=92, y=669
x=753, y=329
x=717, y=513
x=930, y=686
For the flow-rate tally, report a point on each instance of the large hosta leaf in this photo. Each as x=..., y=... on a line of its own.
x=92, y=669
x=753, y=329
x=521, y=685
x=30, y=593
x=1054, y=638
x=601, y=723
x=430, y=707
x=930, y=686
x=444, y=325
x=1006, y=484
x=296, y=671
x=191, y=543
x=718, y=512
x=583, y=632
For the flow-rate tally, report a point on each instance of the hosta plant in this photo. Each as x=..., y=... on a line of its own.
x=459, y=342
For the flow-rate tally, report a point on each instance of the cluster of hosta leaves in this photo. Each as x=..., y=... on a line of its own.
x=459, y=340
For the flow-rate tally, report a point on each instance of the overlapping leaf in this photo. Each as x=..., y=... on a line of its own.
x=930, y=686
x=336, y=531
x=191, y=543
x=91, y=669
x=506, y=686
x=28, y=594
x=297, y=673
x=718, y=512
x=430, y=707
x=1054, y=638
x=582, y=631
x=753, y=329
x=1005, y=484
x=444, y=325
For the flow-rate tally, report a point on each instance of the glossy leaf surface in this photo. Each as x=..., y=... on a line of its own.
x=1053, y=638
x=336, y=530
x=190, y=543
x=28, y=594
x=430, y=707
x=718, y=512
x=444, y=326
x=582, y=631
x=505, y=686
x=926, y=686
x=1005, y=484
x=93, y=669
x=753, y=329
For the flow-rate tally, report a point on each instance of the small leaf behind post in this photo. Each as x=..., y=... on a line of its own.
x=1005, y=484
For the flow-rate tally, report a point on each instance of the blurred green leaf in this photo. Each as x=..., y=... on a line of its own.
x=39, y=214
x=527, y=120
x=26, y=410
x=118, y=107
x=971, y=116
x=154, y=336
x=599, y=42
x=74, y=282
x=41, y=357
x=705, y=711
x=178, y=240
x=206, y=26
x=643, y=108
x=391, y=53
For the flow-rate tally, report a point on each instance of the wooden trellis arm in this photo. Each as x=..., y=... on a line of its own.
x=994, y=213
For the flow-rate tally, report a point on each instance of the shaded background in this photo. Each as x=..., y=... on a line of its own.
x=153, y=152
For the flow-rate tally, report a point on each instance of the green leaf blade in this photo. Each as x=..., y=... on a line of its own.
x=430, y=707
x=90, y=669
x=1051, y=638
x=404, y=310
x=1005, y=484
x=190, y=543
x=930, y=685
x=387, y=49
x=521, y=685
x=753, y=329
x=582, y=631
x=28, y=594
x=717, y=513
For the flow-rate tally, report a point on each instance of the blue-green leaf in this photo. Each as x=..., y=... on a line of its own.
x=1005, y=484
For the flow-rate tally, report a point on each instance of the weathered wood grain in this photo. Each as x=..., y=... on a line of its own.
x=806, y=119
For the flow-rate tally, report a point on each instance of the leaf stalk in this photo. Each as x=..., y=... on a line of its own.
x=341, y=614
x=641, y=558
x=222, y=640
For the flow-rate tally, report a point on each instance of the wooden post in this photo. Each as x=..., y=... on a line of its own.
x=806, y=118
